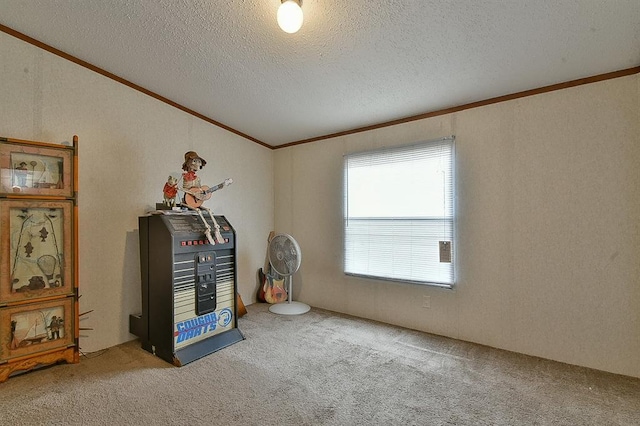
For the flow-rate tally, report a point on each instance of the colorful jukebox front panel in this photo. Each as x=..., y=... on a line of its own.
x=203, y=302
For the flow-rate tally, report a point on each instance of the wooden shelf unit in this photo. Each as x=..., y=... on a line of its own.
x=39, y=314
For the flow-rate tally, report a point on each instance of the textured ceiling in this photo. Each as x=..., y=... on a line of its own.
x=353, y=64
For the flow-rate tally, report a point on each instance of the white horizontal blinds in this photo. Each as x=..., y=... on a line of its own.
x=398, y=210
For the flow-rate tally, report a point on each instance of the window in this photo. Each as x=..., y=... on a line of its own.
x=398, y=213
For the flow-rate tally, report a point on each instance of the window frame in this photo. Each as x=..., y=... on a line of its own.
x=452, y=220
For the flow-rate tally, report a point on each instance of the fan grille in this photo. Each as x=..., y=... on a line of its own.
x=284, y=254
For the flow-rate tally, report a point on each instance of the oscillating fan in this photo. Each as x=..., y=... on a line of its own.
x=285, y=258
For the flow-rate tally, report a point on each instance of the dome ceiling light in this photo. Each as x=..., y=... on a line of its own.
x=290, y=16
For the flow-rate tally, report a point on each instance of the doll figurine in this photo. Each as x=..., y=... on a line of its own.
x=192, y=163
x=170, y=191
x=193, y=193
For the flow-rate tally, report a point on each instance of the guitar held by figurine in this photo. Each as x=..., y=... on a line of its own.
x=194, y=197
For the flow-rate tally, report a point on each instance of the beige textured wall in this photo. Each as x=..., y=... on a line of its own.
x=129, y=143
x=548, y=241
x=548, y=208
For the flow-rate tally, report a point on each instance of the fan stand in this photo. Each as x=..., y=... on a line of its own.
x=289, y=307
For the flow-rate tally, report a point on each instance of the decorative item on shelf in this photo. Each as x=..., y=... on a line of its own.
x=191, y=165
x=36, y=327
x=195, y=193
x=170, y=191
x=37, y=260
x=36, y=169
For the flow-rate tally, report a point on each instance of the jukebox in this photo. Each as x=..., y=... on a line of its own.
x=188, y=287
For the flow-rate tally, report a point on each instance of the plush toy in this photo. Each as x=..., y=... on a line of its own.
x=170, y=191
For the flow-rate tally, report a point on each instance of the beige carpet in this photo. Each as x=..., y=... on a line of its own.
x=321, y=369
